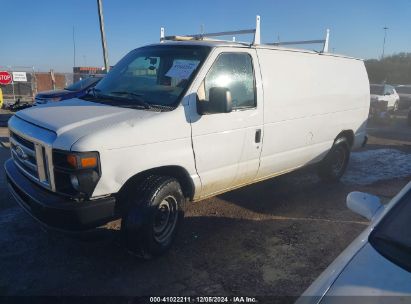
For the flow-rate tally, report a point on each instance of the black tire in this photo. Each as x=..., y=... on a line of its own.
x=150, y=223
x=333, y=166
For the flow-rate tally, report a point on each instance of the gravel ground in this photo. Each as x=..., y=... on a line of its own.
x=271, y=238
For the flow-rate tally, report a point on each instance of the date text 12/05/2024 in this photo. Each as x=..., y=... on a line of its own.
x=199, y=299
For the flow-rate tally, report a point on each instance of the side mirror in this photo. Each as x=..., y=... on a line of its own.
x=219, y=102
x=363, y=204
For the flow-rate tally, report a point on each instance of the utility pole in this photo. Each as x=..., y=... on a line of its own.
x=103, y=35
x=385, y=28
x=74, y=49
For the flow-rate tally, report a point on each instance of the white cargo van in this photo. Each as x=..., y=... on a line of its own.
x=184, y=120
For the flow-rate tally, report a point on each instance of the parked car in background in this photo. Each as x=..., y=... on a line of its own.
x=77, y=89
x=404, y=91
x=384, y=97
x=378, y=262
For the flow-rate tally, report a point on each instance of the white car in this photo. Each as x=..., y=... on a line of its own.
x=385, y=96
x=184, y=120
x=377, y=263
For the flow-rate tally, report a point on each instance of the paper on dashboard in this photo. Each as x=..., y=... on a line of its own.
x=182, y=69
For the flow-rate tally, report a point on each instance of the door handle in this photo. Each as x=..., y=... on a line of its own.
x=258, y=136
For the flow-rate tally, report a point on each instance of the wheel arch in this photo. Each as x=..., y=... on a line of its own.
x=177, y=172
x=348, y=135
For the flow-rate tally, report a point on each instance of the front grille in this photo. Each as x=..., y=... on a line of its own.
x=22, y=141
x=31, y=158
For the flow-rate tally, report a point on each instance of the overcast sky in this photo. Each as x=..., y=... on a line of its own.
x=40, y=33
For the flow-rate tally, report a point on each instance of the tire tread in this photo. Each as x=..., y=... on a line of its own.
x=140, y=197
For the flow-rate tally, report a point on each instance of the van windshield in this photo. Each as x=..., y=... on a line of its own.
x=150, y=77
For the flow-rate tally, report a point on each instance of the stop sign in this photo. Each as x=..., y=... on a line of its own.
x=5, y=77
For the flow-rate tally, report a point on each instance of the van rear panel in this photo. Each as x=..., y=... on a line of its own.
x=309, y=99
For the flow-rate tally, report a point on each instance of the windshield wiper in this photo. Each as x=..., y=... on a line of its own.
x=135, y=97
x=136, y=101
x=92, y=92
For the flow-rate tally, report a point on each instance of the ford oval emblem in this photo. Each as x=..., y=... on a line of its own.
x=20, y=153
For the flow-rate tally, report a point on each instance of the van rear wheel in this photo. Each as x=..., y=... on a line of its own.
x=333, y=166
x=149, y=226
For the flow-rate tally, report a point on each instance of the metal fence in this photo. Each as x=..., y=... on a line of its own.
x=25, y=91
x=22, y=90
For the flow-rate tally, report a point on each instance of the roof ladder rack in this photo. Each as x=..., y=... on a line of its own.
x=325, y=42
x=202, y=36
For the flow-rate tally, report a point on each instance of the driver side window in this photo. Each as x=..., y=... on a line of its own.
x=233, y=71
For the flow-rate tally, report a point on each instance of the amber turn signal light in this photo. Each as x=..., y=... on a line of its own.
x=79, y=162
x=88, y=162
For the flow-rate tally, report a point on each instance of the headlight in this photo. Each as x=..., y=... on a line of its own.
x=76, y=173
x=74, y=182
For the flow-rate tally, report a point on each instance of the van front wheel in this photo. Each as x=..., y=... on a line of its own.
x=333, y=166
x=149, y=226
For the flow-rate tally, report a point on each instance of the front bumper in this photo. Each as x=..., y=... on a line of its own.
x=55, y=211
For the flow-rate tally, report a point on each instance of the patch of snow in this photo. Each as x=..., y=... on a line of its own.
x=370, y=166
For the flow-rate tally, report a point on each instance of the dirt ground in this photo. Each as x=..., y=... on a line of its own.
x=271, y=238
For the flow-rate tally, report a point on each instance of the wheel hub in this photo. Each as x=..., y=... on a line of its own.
x=165, y=219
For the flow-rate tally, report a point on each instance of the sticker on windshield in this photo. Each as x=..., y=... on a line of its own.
x=182, y=68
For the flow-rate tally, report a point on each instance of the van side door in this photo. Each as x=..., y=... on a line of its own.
x=227, y=146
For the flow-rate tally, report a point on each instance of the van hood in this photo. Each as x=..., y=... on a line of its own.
x=76, y=113
x=76, y=118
